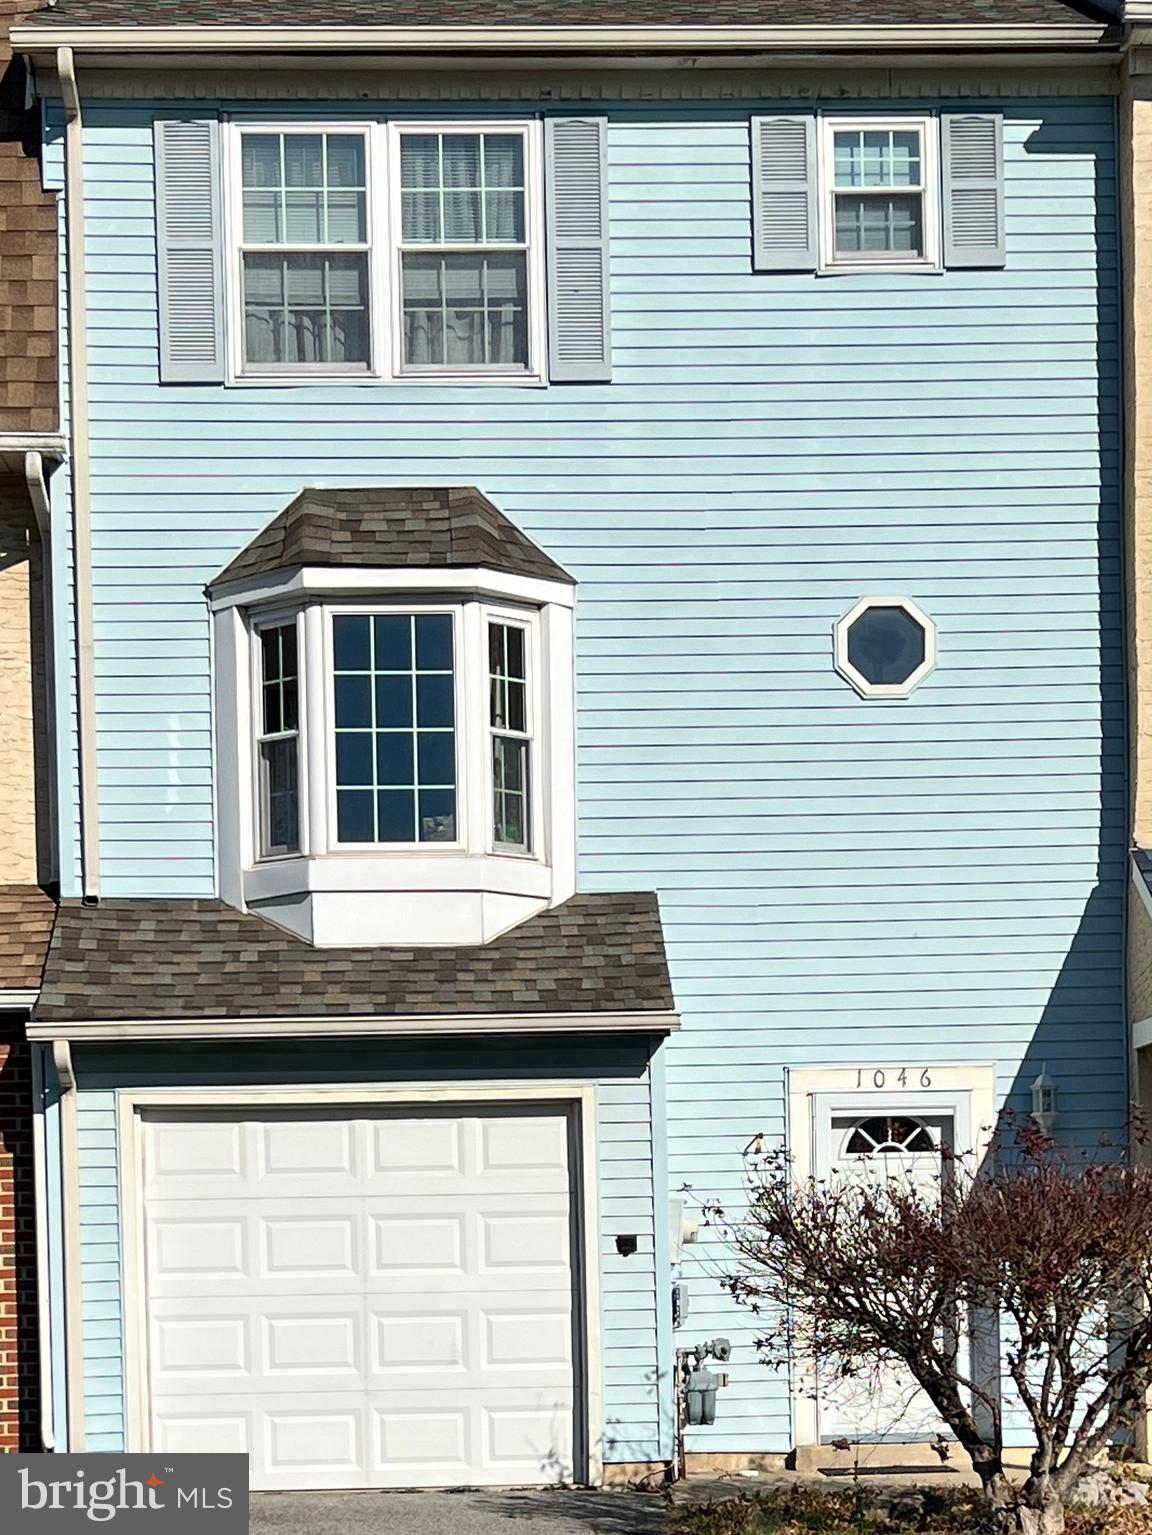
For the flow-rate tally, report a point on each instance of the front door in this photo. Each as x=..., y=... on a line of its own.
x=869, y=1143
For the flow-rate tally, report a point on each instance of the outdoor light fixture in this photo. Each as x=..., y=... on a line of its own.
x=1044, y=1101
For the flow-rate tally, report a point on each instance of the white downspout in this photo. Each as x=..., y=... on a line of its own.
x=43, y=1260
x=73, y=1298
x=81, y=474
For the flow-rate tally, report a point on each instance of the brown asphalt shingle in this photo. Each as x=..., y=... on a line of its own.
x=26, y=918
x=592, y=13
x=202, y=959
x=391, y=527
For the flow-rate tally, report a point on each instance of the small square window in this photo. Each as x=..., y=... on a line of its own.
x=881, y=207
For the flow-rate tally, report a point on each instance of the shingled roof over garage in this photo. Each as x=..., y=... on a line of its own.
x=566, y=13
x=181, y=959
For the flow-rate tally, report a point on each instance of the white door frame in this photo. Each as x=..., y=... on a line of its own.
x=815, y=1094
x=579, y=1097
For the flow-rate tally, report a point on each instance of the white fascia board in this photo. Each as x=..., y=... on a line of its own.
x=1141, y=885
x=390, y=581
x=384, y=1027
x=17, y=999
x=517, y=40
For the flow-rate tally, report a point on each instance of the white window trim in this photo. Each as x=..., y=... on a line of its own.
x=928, y=126
x=382, y=199
x=845, y=668
x=534, y=245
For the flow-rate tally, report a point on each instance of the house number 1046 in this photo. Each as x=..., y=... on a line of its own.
x=900, y=1078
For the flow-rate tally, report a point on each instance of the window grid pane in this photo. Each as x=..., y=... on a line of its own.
x=395, y=728
x=877, y=157
x=279, y=741
x=465, y=310
x=870, y=225
x=511, y=743
x=306, y=309
x=304, y=189
x=462, y=189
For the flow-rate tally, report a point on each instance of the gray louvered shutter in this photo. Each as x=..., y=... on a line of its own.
x=189, y=250
x=575, y=166
x=784, y=217
x=973, y=173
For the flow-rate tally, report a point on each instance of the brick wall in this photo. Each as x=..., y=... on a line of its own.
x=28, y=389
x=18, y=1395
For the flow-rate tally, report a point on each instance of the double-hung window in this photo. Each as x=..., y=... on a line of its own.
x=409, y=250
x=463, y=257
x=304, y=251
x=881, y=198
x=278, y=740
x=509, y=724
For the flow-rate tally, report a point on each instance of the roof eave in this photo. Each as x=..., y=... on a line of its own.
x=644, y=1021
x=43, y=41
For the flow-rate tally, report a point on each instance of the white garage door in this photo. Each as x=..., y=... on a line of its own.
x=384, y=1300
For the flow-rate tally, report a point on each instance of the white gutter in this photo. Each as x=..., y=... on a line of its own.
x=43, y=1258
x=81, y=474
x=279, y=39
x=18, y=999
x=655, y=1021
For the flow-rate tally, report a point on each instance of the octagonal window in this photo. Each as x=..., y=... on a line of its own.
x=885, y=646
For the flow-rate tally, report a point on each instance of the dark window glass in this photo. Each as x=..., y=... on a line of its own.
x=395, y=728
x=508, y=718
x=886, y=645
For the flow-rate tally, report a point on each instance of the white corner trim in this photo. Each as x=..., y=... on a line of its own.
x=580, y=1096
x=844, y=666
x=390, y=581
x=1141, y=885
x=654, y=1021
x=266, y=40
x=1142, y=1034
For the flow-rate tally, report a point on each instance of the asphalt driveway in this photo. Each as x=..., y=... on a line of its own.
x=554, y=1512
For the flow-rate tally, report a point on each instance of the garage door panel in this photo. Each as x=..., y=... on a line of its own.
x=374, y=1300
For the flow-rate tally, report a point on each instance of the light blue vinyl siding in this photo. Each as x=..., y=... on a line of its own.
x=619, y=1070
x=843, y=881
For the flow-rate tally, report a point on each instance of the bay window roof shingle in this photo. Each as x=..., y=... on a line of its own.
x=392, y=527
